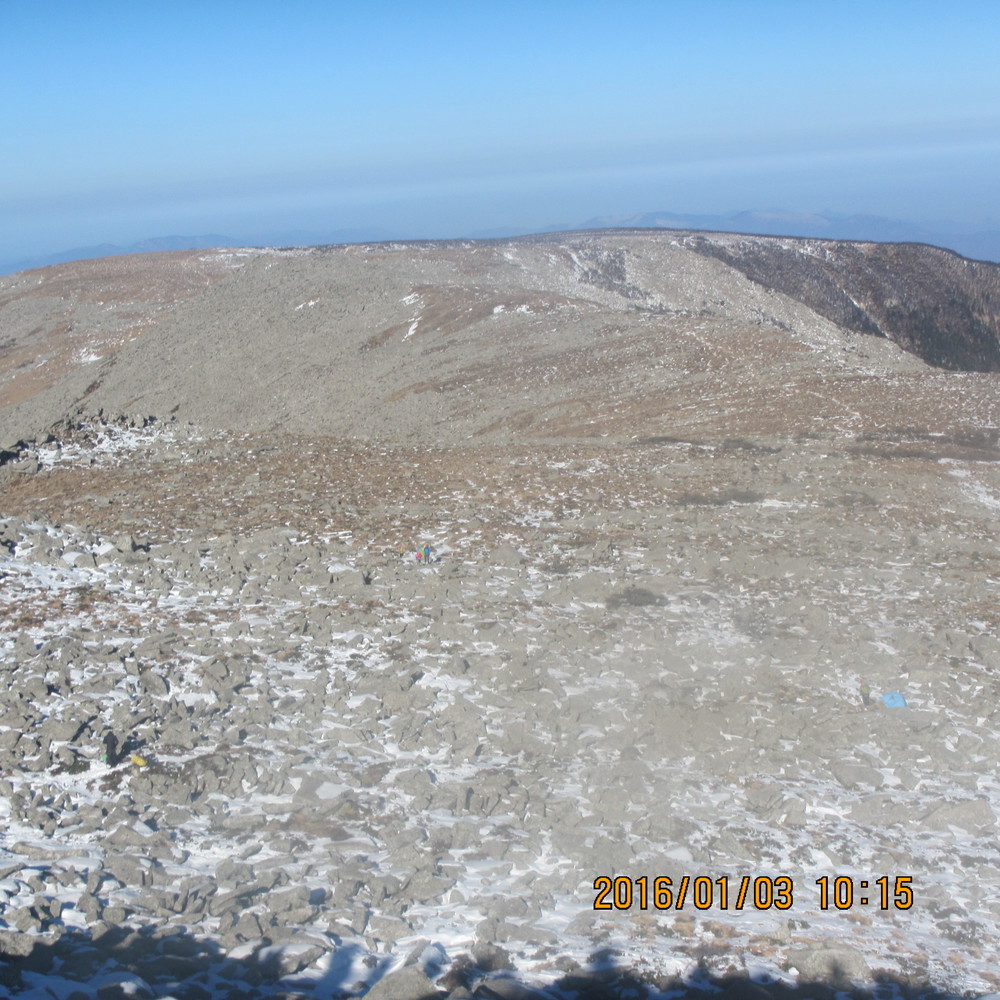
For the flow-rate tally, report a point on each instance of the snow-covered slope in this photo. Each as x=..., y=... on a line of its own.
x=615, y=663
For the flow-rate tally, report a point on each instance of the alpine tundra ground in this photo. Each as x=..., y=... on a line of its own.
x=660, y=626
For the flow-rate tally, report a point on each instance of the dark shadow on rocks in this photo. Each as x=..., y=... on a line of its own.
x=603, y=978
x=146, y=963
x=981, y=445
x=143, y=963
x=750, y=447
x=633, y=597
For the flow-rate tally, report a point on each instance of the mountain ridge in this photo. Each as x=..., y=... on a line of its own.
x=969, y=241
x=569, y=335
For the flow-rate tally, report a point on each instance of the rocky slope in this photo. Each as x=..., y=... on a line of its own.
x=620, y=334
x=684, y=533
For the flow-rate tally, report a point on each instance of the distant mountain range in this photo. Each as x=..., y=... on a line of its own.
x=969, y=241
x=159, y=244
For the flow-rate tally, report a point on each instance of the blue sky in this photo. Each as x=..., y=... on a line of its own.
x=130, y=120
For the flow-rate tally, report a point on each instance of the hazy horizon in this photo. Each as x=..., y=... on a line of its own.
x=136, y=121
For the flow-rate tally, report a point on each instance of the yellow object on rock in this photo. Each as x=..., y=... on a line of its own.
x=138, y=761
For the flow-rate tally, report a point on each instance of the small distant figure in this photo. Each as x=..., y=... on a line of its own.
x=866, y=694
x=427, y=553
x=111, y=752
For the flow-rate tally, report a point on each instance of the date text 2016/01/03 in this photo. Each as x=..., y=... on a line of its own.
x=762, y=892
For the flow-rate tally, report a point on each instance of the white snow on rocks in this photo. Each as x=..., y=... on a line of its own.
x=350, y=757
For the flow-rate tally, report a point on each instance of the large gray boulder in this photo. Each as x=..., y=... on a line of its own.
x=407, y=983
